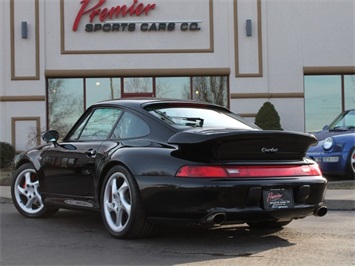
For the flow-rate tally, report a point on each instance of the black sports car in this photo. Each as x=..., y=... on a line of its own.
x=144, y=161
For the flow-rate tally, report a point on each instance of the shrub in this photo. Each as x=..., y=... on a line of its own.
x=7, y=154
x=268, y=118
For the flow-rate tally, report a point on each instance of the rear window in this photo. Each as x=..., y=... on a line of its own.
x=199, y=117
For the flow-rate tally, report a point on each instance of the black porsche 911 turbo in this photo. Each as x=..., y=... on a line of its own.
x=145, y=161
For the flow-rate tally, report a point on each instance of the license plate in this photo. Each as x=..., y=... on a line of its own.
x=333, y=159
x=278, y=198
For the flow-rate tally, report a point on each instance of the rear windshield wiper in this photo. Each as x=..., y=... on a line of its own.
x=189, y=121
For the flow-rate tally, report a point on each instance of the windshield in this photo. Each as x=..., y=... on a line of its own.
x=345, y=121
x=199, y=117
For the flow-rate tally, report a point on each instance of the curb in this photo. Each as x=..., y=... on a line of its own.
x=340, y=205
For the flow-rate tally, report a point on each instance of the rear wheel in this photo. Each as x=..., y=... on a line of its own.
x=26, y=195
x=121, y=206
x=268, y=224
x=350, y=171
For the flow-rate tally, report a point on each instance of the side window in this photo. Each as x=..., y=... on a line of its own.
x=98, y=125
x=130, y=126
x=350, y=119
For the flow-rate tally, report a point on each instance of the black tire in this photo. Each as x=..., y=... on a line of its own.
x=121, y=206
x=350, y=167
x=268, y=224
x=26, y=195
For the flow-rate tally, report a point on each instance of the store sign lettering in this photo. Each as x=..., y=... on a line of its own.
x=103, y=14
x=116, y=27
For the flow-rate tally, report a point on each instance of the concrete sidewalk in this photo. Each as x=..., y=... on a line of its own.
x=335, y=199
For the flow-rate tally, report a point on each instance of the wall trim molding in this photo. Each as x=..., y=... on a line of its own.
x=267, y=95
x=328, y=70
x=37, y=119
x=34, y=98
x=236, y=43
x=247, y=114
x=12, y=43
x=61, y=73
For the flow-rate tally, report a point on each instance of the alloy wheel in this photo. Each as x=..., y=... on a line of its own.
x=117, y=202
x=26, y=192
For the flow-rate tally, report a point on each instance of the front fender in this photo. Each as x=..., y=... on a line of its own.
x=345, y=142
x=31, y=156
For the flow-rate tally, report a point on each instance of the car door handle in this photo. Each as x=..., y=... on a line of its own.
x=91, y=153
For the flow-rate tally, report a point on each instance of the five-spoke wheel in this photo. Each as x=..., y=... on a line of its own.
x=121, y=207
x=26, y=195
x=117, y=203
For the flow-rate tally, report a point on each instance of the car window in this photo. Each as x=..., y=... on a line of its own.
x=98, y=125
x=199, y=117
x=344, y=121
x=130, y=126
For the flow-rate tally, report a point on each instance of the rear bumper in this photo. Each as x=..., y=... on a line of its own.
x=240, y=200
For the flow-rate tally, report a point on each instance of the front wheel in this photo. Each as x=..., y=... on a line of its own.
x=350, y=171
x=26, y=195
x=121, y=207
x=268, y=224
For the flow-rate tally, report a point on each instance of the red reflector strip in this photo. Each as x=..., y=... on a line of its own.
x=202, y=171
x=248, y=171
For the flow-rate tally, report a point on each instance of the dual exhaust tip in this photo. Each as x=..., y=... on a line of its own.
x=218, y=218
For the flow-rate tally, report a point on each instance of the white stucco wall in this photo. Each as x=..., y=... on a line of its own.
x=328, y=32
x=295, y=34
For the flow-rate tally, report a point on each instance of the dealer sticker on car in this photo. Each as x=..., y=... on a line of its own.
x=278, y=198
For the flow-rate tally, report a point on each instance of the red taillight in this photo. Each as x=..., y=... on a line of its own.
x=248, y=171
x=201, y=171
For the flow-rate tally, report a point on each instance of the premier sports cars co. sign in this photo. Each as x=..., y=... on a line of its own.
x=107, y=18
x=133, y=26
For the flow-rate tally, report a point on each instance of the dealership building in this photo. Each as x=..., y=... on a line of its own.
x=60, y=56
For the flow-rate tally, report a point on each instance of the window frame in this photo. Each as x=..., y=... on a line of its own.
x=342, y=91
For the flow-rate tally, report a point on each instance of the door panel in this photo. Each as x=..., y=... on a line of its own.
x=69, y=171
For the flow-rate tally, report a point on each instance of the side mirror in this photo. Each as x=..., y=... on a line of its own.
x=51, y=136
x=326, y=127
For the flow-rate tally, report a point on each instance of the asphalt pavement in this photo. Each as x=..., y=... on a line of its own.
x=335, y=199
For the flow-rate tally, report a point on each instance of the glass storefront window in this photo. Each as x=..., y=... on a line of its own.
x=349, y=91
x=175, y=87
x=322, y=100
x=68, y=97
x=100, y=89
x=138, y=85
x=211, y=89
x=65, y=103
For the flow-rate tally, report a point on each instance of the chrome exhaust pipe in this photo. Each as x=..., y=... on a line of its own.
x=321, y=211
x=214, y=218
